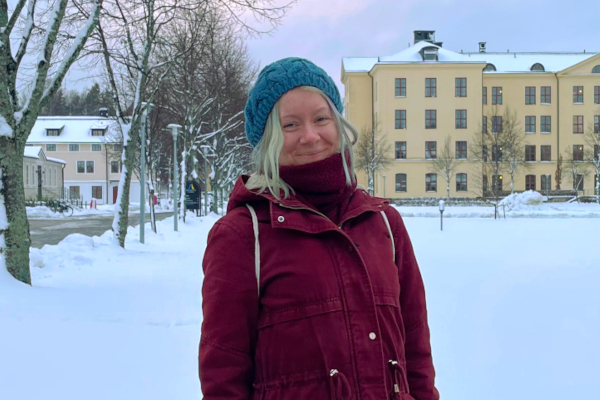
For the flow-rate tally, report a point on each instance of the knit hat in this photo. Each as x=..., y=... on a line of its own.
x=274, y=81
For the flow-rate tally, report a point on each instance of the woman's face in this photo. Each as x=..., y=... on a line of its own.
x=309, y=130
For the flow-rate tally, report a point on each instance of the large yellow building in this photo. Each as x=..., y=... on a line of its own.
x=426, y=93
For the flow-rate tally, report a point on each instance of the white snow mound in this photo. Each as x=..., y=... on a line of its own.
x=522, y=201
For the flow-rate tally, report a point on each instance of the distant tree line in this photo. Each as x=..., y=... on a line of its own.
x=87, y=102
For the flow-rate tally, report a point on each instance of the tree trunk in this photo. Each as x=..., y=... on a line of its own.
x=152, y=214
x=15, y=239
x=123, y=213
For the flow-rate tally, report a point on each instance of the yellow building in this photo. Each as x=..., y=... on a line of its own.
x=426, y=93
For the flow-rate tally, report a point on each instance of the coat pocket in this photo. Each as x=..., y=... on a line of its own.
x=300, y=311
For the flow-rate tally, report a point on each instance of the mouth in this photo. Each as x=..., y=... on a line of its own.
x=313, y=154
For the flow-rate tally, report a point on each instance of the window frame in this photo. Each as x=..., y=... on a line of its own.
x=460, y=119
x=430, y=87
x=73, y=146
x=461, y=149
x=431, y=182
x=398, y=119
x=460, y=87
x=529, y=97
x=530, y=182
x=428, y=120
x=399, y=87
x=530, y=155
x=461, y=182
x=496, y=95
x=82, y=167
x=546, y=96
x=98, y=148
x=87, y=164
x=577, y=96
x=545, y=152
x=497, y=123
x=400, y=184
x=577, y=124
x=52, y=132
x=484, y=126
x=543, y=124
x=596, y=94
x=579, y=178
x=530, y=128
x=50, y=148
x=596, y=123
x=545, y=183
x=498, y=183
x=95, y=132
x=431, y=150
x=117, y=163
x=484, y=96
x=578, y=152
x=95, y=195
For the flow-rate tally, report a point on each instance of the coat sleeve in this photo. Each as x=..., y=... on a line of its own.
x=230, y=315
x=419, y=363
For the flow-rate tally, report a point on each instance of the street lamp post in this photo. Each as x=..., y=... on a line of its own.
x=205, y=153
x=442, y=215
x=173, y=128
x=146, y=109
x=383, y=176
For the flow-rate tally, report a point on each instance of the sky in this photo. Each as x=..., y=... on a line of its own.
x=324, y=31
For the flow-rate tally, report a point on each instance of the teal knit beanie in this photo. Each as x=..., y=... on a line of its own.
x=274, y=81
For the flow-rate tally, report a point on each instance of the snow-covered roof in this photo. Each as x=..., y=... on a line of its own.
x=74, y=130
x=504, y=62
x=38, y=153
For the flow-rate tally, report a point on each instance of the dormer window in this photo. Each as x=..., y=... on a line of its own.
x=52, y=132
x=596, y=69
x=489, y=67
x=97, y=132
x=538, y=67
x=429, y=53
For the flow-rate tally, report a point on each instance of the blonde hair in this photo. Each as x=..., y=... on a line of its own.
x=267, y=151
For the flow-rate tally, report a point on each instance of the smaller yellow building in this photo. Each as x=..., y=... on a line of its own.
x=424, y=94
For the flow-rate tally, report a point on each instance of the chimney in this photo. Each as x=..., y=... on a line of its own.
x=482, y=47
x=424, y=36
x=104, y=112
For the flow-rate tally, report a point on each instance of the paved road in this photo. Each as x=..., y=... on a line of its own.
x=52, y=231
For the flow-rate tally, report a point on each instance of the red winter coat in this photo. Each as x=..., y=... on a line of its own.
x=337, y=319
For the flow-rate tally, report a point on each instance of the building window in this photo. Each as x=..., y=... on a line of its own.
x=461, y=182
x=461, y=119
x=484, y=127
x=89, y=167
x=596, y=69
x=430, y=119
x=400, y=119
x=596, y=151
x=596, y=123
x=577, y=152
x=97, y=132
x=74, y=192
x=430, y=150
x=96, y=147
x=545, y=93
x=496, y=95
x=545, y=123
x=496, y=152
x=430, y=87
x=489, y=67
x=400, y=150
x=578, y=182
x=496, y=124
x=545, y=153
x=73, y=147
x=497, y=183
x=114, y=167
x=577, y=123
x=530, y=124
x=461, y=87
x=81, y=167
x=484, y=94
x=577, y=94
x=400, y=182
x=400, y=87
x=96, y=192
x=50, y=147
x=546, y=183
x=118, y=148
x=529, y=153
x=530, y=95
x=529, y=182
x=52, y=132
x=538, y=67
x=431, y=182
x=596, y=94
x=484, y=152
x=461, y=150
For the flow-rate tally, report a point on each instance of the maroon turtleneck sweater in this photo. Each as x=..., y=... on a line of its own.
x=321, y=184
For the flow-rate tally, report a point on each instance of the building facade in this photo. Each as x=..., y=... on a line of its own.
x=425, y=94
x=42, y=176
x=91, y=149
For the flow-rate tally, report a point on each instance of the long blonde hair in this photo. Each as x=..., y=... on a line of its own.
x=267, y=151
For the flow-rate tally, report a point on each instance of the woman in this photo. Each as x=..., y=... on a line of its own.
x=311, y=288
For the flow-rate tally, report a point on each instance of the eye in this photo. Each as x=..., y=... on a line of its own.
x=320, y=119
x=290, y=125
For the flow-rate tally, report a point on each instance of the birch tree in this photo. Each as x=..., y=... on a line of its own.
x=575, y=167
x=62, y=36
x=592, y=153
x=513, y=141
x=445, y=164
x=372, y=154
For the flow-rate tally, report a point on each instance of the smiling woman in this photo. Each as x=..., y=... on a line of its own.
x=311, y=289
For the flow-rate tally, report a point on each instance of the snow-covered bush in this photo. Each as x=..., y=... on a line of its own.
x=525, y=200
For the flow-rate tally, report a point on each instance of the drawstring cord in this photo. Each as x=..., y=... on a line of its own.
x=397, y=374
x=338, y=383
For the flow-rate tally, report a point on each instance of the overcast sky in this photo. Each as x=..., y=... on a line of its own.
x=324, y=31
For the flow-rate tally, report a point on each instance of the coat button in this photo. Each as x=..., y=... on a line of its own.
x=280, y=218
x=372, y=336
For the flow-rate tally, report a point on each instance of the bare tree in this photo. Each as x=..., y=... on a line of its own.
x=592, y=153
x=513, y=142
x=54, y=42
x=372, y=153
x=576, y=168
x=445, y=163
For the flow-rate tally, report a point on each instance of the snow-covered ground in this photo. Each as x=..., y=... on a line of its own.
x=43, y=212
x=514, y=310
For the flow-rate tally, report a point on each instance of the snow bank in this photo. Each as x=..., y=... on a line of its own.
x=522, y=201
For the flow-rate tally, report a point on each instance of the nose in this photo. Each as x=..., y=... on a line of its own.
x=309, y=135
